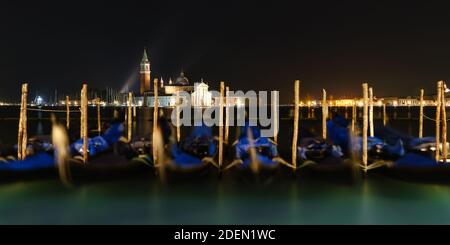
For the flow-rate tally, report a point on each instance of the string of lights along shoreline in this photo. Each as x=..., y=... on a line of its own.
x=201, y=95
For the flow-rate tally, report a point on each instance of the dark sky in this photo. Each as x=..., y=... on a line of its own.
x=397, y=47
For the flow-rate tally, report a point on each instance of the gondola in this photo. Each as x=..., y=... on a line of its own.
x=110, y=157
x=320, y=160
x=40, y=162
x=191, y=159
x=334, y=159
x=256, y=159
x=418, y=164
x=328, y=160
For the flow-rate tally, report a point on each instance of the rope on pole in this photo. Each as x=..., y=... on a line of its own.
x=53, y=111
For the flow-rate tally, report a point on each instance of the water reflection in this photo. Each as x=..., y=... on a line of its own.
x=373, y=200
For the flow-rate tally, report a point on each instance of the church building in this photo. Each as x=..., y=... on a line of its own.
x=166, y=92
x=200, y=94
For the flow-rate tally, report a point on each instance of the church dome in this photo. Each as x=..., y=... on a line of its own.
x=182, y=80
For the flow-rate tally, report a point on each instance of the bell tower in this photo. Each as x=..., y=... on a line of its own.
x=145, y=74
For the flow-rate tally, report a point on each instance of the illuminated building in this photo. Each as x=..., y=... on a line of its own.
x=145, y=74
x=201, y=96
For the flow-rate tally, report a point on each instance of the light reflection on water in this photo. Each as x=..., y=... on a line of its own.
x=376, y=200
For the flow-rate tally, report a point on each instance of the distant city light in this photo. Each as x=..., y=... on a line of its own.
x=39, y=100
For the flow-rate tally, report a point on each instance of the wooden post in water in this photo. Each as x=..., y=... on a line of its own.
x=438, y=120
x=275, y=117
x=67, y=112
x=177, y=108
x=309, y=110
x=227, y=115
x=155, y=119
x=23, y=134
x=365, y=126
x=60, y=141
x=354, y=115
x=421, y=114
x=372, y=134
x=126, y=115
x=384, y=115
x=99, y=120
x=134, y=110
x=130, y=116
x=296, y=111
x=324, y=114
x=84, y=121
x=81, y=113
x=222, y=89
x=252, y=150
x=444, y=124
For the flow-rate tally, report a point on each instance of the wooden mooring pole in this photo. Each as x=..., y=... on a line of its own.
x=67, y=112
x=84, y=121
x=130, y=116
x=324, y=114
x=134, y=109
x=354, y=115
x=227, y=115
x=177, y=108
x=222, y=91
x=99, y=120
x=296, y=117
x=421, y=114
x=438, y=120
x=275, y=115
x=155, y=120
x=372, y=134
x=23, y=134
x=365, y=126
x=444, y=124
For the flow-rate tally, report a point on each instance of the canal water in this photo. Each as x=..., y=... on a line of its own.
x=373, y=200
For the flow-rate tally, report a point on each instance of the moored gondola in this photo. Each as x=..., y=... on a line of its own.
x=256, y=159
x=192, y=159
x=41, y=162
x=418, y=164
x=320, y=160
x=327, y=159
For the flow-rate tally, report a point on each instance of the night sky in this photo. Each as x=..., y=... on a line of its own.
x=337, y=45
